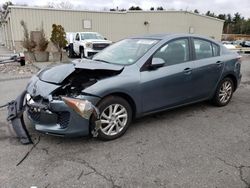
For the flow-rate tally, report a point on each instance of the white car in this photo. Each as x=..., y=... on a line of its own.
x=86, y=44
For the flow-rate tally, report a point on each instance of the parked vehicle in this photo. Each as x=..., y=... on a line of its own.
x=246, y=44
x=130, y=79
x=85, y=44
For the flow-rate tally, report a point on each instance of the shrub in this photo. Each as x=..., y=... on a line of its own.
x=42, y=43
x=28, y=42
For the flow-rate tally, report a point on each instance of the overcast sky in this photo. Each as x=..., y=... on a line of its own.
x=217, y=6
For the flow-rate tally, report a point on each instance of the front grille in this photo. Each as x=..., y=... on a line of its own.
x=91, y=54
x=99, y=46
x=63, y=119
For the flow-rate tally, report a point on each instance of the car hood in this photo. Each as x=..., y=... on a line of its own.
x=57, y=74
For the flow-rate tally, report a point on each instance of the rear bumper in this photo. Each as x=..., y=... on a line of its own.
x=58, y=119
x=239, y=80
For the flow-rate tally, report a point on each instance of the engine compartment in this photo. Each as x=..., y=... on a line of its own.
x=80, y=79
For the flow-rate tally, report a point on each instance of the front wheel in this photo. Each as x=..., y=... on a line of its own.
x=224, y=92
x=70, y=51
x=115, y=116
x=82, y=55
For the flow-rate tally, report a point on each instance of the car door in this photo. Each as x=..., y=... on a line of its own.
x=171, y=84
x=76, y=43
x=208, y=67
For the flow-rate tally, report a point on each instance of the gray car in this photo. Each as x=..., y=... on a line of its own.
x=132, y=78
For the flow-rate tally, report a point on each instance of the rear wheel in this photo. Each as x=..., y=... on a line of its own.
x=224, y=92
x=115, y=116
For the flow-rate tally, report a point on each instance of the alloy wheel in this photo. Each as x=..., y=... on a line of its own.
x=113, y=119
x=225, y=92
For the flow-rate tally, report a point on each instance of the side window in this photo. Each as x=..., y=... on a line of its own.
x=216, y=49
x=203, y=49
x=174, y=52
x=77, y=36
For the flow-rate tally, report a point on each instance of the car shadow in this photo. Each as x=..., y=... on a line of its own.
x=145, y=121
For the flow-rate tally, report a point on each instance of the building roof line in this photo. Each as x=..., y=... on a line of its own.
x=111, y=12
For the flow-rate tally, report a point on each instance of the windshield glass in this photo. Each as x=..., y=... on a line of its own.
x=125, y=52
x=91, y=36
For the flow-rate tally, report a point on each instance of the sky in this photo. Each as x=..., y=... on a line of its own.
x=216, y=6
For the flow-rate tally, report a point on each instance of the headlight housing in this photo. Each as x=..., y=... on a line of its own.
x=89, y=45
x=83, y=107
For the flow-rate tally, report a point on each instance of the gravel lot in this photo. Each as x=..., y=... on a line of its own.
x=15, y=70
x=194, y=146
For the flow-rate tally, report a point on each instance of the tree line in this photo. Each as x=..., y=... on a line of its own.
x=233, y=24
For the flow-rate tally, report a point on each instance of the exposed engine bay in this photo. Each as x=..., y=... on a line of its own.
x=80, y=79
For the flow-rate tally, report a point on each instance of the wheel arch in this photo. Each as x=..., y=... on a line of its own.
x=125, y=96
x=233, y=78
x=81, y=48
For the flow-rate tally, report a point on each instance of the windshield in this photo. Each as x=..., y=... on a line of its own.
x=125, y=52
x=91, y=36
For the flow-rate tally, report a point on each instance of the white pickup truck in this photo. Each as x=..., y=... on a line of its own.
x=85, y=44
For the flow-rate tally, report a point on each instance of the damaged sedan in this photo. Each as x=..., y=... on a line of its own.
x=129, y=79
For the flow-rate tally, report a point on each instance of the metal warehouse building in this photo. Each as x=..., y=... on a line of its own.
x=113, y=25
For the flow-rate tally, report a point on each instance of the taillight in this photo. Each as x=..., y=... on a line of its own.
x=83, y=107
x=239, y=59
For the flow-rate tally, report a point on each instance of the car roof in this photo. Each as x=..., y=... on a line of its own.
x=89, y=32
x=162, y=36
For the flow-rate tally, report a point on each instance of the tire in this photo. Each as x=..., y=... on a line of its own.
x=224, y=92
x=70, y=51
x=117, y=126
x=82, y=55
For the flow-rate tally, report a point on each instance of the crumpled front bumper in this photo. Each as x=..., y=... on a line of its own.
x=54, y=118
x=58, y=119
x=15, y=116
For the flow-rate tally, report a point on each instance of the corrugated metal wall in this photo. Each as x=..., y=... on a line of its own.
x=115, y=25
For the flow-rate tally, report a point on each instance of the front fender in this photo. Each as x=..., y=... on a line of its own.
x=128, y=85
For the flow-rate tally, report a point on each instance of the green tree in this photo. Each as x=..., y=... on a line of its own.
x=196, y=11
x=237, y=23
x=152, y=8
x=160, y=8
x=211, y=14
x=135, y=8
x=5, y=5
x=58, y=38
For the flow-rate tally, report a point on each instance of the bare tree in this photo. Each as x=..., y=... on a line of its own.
x=61, y=5
x=5, y=5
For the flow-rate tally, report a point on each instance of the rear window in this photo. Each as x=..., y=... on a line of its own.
x=203, y=49
x=216, y=49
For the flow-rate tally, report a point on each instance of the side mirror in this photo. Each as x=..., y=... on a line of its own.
x=157, y=62
x=105, y=38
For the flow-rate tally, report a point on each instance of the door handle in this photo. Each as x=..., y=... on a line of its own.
x=187, y=71
x=219, y=63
